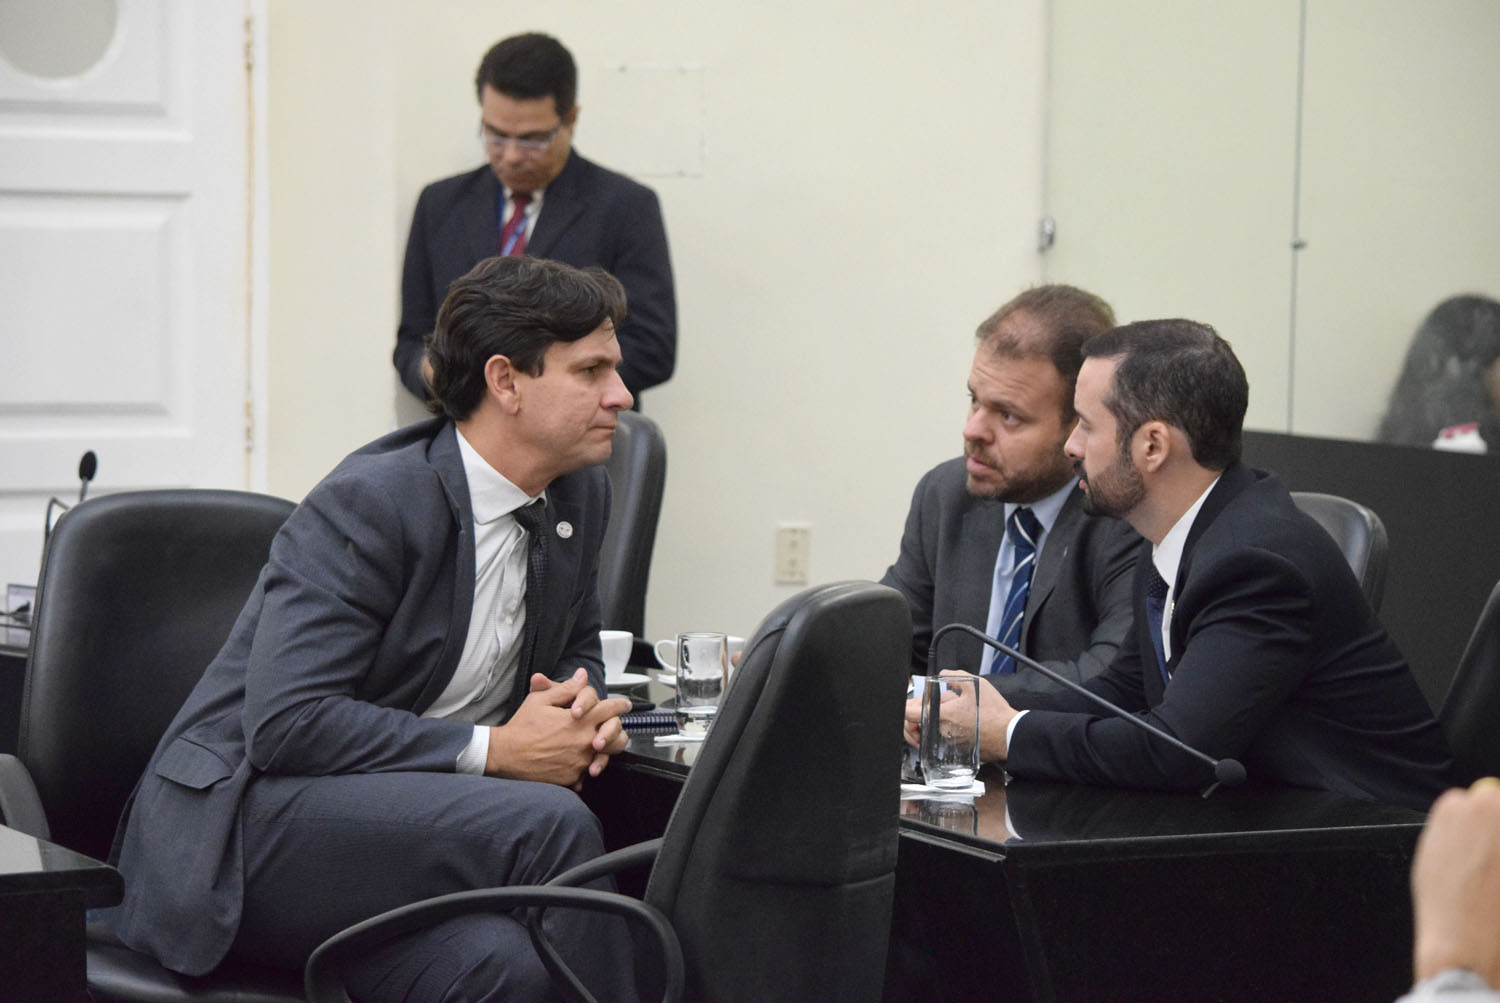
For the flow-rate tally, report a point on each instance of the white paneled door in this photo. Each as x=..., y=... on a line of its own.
x=124, y=252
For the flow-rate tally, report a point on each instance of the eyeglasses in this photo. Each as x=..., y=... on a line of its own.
x=534, y=142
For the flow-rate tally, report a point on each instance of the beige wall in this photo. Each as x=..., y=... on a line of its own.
x=850, y=189
x=1173, y=162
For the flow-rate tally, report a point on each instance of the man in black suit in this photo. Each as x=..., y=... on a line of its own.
x=1252, y=638
x=540, y=197
x=956, y=562
x=414, y=684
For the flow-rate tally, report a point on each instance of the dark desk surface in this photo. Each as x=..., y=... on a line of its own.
x=44, y=893
x=28, y=865
x=1068, y=892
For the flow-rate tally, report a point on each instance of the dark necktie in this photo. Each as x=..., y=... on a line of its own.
x=513, y=235
x=1156, y=605
x=533, y=519
x=1022, y=528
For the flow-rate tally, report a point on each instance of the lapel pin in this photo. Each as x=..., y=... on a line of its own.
x=565, y=529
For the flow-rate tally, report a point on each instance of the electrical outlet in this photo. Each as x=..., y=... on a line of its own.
x=793, y=553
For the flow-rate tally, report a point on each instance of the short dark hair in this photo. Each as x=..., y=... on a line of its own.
x=1180, y=372
x=1067, y=316
x=517, y=307
x=530, y=66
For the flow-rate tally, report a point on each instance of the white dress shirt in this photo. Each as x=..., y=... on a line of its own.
x=486, y=673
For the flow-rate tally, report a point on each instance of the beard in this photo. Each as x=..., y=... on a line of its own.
x=1115, y=490
x=1020, y=485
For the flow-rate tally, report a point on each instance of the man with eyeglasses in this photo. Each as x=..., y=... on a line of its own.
x=538, y=196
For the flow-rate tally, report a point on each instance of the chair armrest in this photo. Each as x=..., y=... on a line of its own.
x=323, y=984
x=634, y=855
x=20, y=805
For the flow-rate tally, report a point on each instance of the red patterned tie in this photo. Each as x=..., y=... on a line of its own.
x=513, y=236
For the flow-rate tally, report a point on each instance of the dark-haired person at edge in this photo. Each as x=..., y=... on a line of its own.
x=1252, y=638
x=998, y=537
x=539, y=196
x=410, y=698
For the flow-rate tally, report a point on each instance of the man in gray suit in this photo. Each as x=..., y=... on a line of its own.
x=414, y=684
x=1003, y=525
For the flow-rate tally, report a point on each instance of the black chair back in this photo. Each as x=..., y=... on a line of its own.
x=777, y=868
x=1472, y=705
x=637, y=470
x=137, y=593
x=1359, y=533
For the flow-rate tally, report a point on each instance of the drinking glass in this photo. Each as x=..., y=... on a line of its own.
x=950, y=730
x=702, y=668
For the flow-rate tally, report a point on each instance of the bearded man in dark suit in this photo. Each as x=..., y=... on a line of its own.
x=959, y=559
x=1252, y=638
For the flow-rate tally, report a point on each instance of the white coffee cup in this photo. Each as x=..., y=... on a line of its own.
x=616, y=645
x=666, y=651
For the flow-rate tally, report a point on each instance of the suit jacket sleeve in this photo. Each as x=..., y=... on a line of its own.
x=911, y=575
x=336, y=578
x=1109, y=548
x=639, y=259
x=1241, y=632
x=419, y=304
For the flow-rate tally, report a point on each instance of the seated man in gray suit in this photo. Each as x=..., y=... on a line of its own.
x=998, y=538
x=410, y=697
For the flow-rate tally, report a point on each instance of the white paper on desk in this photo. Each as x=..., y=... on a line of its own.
x=928, y=791
x=679, y=739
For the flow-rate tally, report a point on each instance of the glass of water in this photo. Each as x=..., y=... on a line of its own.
x=702, y=668
x=950, y=730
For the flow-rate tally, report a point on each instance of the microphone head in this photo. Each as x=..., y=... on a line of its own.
x=1229, y=772
x=88, y=466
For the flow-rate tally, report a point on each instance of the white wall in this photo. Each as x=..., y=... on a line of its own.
x=861, y=188
x=1173, y=165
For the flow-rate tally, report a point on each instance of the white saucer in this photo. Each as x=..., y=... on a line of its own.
x=626, y=679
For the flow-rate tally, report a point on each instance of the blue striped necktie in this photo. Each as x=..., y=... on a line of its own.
x=1023, y=529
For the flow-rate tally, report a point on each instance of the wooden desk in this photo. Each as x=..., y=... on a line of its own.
x=1065, y=892
x=44, y=893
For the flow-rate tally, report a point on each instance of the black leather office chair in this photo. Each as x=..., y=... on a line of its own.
x=1471, y=707
x=1359, y=533
x=137, y=593
x=775, y=877
x=638, y=474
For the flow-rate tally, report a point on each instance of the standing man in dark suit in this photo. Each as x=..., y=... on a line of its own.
x=1252, y=637
x=538, y=196
x=414, y=684
x=963, y=553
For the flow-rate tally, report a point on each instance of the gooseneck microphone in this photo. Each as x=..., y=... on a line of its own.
x=88, y=466
x=1228, y=772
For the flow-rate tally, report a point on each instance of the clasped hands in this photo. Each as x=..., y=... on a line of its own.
x=957, y=710
x=561, y=730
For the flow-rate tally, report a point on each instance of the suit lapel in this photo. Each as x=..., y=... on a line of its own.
x=980, y=531
x=481, y=224
x=562, y=204
x=1055, y=546
x=448, y=463
x=1235, y=478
